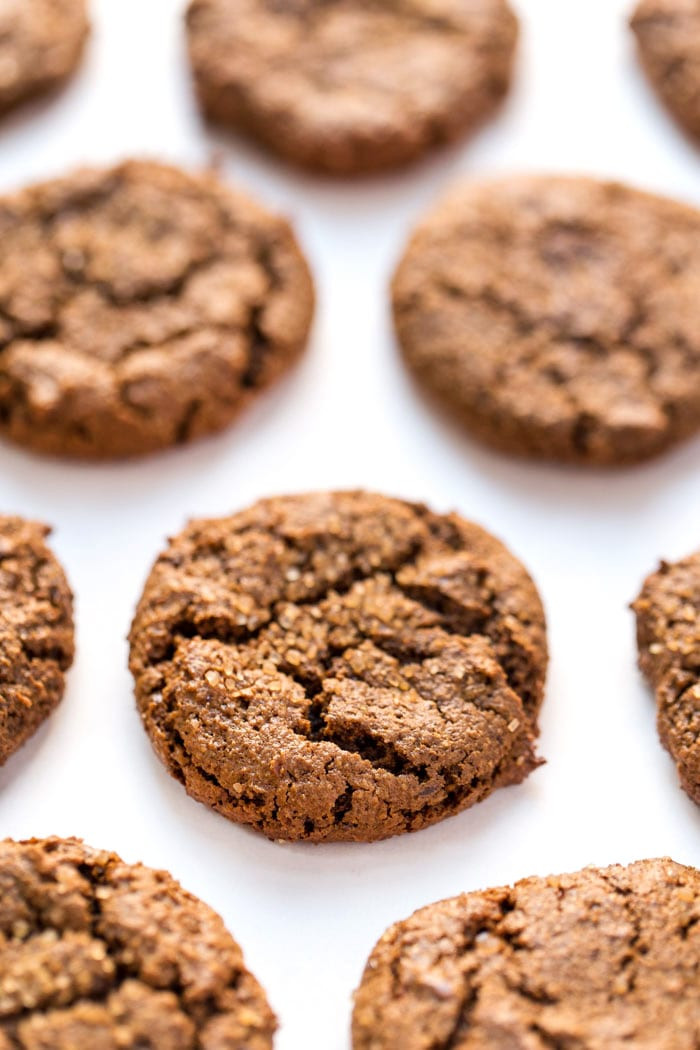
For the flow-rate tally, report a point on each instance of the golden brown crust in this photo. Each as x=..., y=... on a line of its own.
x=668, y=39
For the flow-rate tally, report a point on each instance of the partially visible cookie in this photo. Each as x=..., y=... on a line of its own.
x=668, y=38
x=353, y=85
x=339, y=666
x=668, y=635
x=604, y=959
x=96, y=954
x=36, y=631
x=558, y=317
x=41, y=42
x=141, y=307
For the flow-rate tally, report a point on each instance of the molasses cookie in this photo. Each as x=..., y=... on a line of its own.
x=36, y=631
x=41, y=42
x=605, y=958
x=339, y=666
x=353, y=85
x=558, y=317
x=96, y=953
x=668, y=636
x=668, y=38
x=141, y=307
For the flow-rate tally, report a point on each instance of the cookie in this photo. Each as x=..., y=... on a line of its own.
x=36, y=631
x=668, y=636
x=668, y=40
x=557, y=317
x=141, y=307
x=604, y=959
x=41, y=43
x=339, y=666
x=354, y=85
x=96, y=954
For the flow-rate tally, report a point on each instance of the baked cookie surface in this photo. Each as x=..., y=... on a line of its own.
x=339, y=666
x=141, y=307
x=96, y=954
x=352, y=85
x=668, y=636
x=558, y=317
x=604, y=959
x=668, y=39
x=41, y=43
x=36, y=631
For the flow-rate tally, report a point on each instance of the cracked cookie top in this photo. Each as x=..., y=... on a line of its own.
x=141, y=307
x=668, y=38
x=598, y=960
x=668, y=636
x=557, y=316
x=41, y=42
x=36, y=631
x=347, y=86
x=96, y=953
x=339, y=666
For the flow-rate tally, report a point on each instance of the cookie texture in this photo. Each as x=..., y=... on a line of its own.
x=668, y=39
x=558, y=317
x=36, y=631
x=352, y=85
x=41, y=43
x=668, y=636
x=339, y=666
x=140, y=307
x=96, y=954
x=604, y=959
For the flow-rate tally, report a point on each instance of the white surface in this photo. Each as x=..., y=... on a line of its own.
x=307, y=916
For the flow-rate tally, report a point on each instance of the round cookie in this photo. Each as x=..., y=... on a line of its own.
x=557, y=316
x=668, y=636
x=96, y=954
x=604, y=959
x=354, y=85
x=668, y=39
x=339, y=666
x=140, y=307
x=36, y=631
x=41, y=43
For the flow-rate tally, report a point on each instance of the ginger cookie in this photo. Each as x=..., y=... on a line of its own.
x=41, y=43
x=604, y=959
x=339, y=666
x=668, y=636
x=354, y=85
x=668, y=39
x=558, y=317
x=141, y=307
x=96, y=953
x=36, y=631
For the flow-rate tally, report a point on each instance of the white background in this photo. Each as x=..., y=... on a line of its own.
x=308, y=916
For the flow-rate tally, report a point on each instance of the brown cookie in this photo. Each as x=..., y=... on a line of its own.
x=558, y=317
x=41, y=43
x=668, y=636
x=668, y=38
x=599, y=960
x=339, y=666
x=96, y=954
x=141, y=307
x=36, y=631
x=353, y=85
